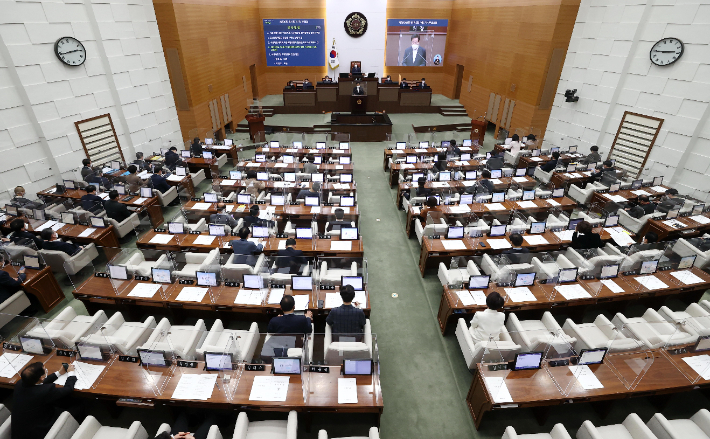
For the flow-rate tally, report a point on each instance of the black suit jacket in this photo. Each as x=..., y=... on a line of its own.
x=33, y=412
x=359, y=92
x=516, y=250
x=116, y=210
x=290, y=257
x=419, y=61
x=8, y=285
x=18, y=237
x=196, y=149
x=356, y=69
x=289, y=324
x=485, y=186
x=171, y=159
x=92, y=203
x=61, y=246
x=549, y=166
x=590, y=240
x=160, y=183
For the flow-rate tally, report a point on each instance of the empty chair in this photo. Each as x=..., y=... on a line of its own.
x=695, y=319
x=583, y=196
x=136, y=265
x=285, y=276
x=336, y=352
x=126, y=226
x=634, y=225
x=595, y=222
x=13, y=306
x=551, y=269
x=476, y=228
x=473, y=352
x=55, y=212
x=542, y=176
x=697, y=427
x=537, y=335
x=240, y=343
x=235, y=271
x=197, y=177
x=198, y=262
x=653, y=330
x=635, y=260
x=221, y=160
x=374, y=433
x=17, y=253
x=244, y=429
x=333, y=276
x=430, y=229
x=168, y=197
x=558, y=432
x=63, y=428
x=591, y=266
x=199, y=226
x=556, y=221
x=68, y=327
x=517, y=226
x=449, y=276
x=683, y=247
x=92, y=429
x=84, y=216
x=631, y=428
x=124, y=336
x=181, y=340
x=504, y=273
x=705, y=304
x=61, y=262
x=600, y=334
x=5, y=423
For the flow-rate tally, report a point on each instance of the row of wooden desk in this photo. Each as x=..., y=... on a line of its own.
x=280, y=168
x=389, y=154
x=228, y=186
x=326, y=153
x=288, y=212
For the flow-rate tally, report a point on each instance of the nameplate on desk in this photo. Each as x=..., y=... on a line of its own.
x=281, y=235
x=11, y=347
x=224, y=177
x=435, y=236
x=665, y=268
x=195, y=232
x=159, y=230
x=16, y=263
x=294, y=203
x=174, y=305
x=188, y=364
x=101, y=274
x=260, y=202
x=254, y=367
x=186, y=281
x=278, y=286
x=128, y=359
x=196, y=199
x=328, y=204
x=494, y=367
x=327, y=287
x=319, y=369
x=65, y=353
x=134, y=402
x=677, y=351
x=557, y=363
x=142, y=277
x=629, y=273
x=586, y=277
x=231, y=284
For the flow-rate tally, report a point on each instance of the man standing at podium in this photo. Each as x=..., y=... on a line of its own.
x=414, y=55
x=358, y=89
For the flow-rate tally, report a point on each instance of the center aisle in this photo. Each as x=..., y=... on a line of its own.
x=424, y=393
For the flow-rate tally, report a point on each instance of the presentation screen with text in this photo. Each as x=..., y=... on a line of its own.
x=294, y=42
x=415, y=42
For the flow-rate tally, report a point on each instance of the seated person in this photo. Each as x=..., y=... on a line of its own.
x=339, y=221
x=21, y=236
x=484, y=185
x=355, y=69
x=253, y=217
x=487, y=325
x=196, y=147
x=584, y=238
x=288, y=322
x=19, y=200
x=312, y=192
x=346, y=318
x=454, y=148
x=114, y=209
x=172, y=158
x=422, y=190
x=307, y=84
x=222, y=217
x=327, y=79
x=592, y=157
x=52, y=242
x=388, y=80
x=9, y=285
x=516, y=239
x=424, y=84
x=431, y=206
x=608, y=168
x=670, y=201
x=289, y=85
x=309, y=167
x=179, y=429
x=515, y=145
x=133, y=180
x=552, y=164
x=92, y=202
x=404, y=83
x=495, y=162
x=86, y=169
x=140, y=163
x=98, y=179
x=158, y=180
x=645, y=203
x=242, y=246
x=290, y=257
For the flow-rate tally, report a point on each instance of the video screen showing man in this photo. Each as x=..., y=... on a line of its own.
x=415, y=42
x=358, y=89
x=415, y=55
x=355, y=68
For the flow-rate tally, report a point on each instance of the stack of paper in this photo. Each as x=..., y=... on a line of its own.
x=202, y=206
x=674, y=223
x=617, y=198
x=700, y=364
x=139, y=200
x=281, y=165
x=175, y=177
x=497, y=244
x=469, y=298
x=459, y=209
x=526, y=204
x=535, y=159
x=204, y=240
x=586, y=377
x=191, y=294
x=453, y=244
x=160, y=239
x=86, y=375
x=11, y=364
x=520, y=179
x=651, y=282
x=571, y=292
x=535, y=240
x=275, y=296
x=495, y=181
x=687, y=277
x=341, y=245
x=640, y=192
x=339, y=167
x=659, y=189
x=552, y=202
x=613, y=286
x=333, y=300
x=302, y=301
x=195, y=386
x=700, y=219
x=495, y=206
x=48, y=224
x=250, y=297
x=58, y=226
x=565, y=235
x=269, y=388
x=498, y=390
x=144, y=290
x=282, y=244
x=227, y=182
x=520, y=294
x=253, y=165
x=87, y=232
x=437, y=184
x=347, y=390
x=468, y=183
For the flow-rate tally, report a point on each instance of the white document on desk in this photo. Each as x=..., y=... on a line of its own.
x=140, y=200
x=302, y=301
x=674, y=223
x=552, y=202
x=641, y=192
x=535, y=240
x=195, y=386
x=192, y=294
x=104, y=196
x=520, y=294
x=420, y=150
x=250, y=297
x=333, y=300
x=468, y=183
x=495, y=206
x=659, y=189
x=202, y=206
x=651, y=282
x=438, y=184
x=11, y=364
x=586, y=377
x=275, y=296
x=145, y=291
x=339, y=167
x=315, y=209
x=687, y=277
x=280, y=165
x=571, y=292
x=536, y=159
x=526, y=204
x=465, y=297
x=622, y=239
x=479, y=297
x=341, y=245
x=498, y=390
x=227, y=182
x=253, y=165
x=460, y=209
x=416, y=210
x=497, y=244
x=700, y=364
x=229, y=207
x=282, y=244
x=347, y=390
x=700, y=219
x=175, y=177
x=204, y=240
x=269, y=388
x=495, y=181
x=565, y=235
x=160, y=239
x=48, y=224
x=617, y=198
x=86, y=375
x=453, y=244
x=87, y=232
x=613, y=286
x=58, y=226
x=520, y=179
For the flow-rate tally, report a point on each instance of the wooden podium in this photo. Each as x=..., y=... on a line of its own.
x=256, y=124
x=358, y=103
x=478, y=131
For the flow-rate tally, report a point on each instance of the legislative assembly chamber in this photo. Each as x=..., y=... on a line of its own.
x=398, y=219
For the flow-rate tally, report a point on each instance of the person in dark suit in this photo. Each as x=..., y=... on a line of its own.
x=289, y=85
x=172, y=158
x=414, y=55
x=355, y=70
x=593, y=156
x=314, y=191
x=670, y=201
x=140, y=163
x=159, y=181
x=646, y=204
x=388, y=80
x=584, y=238
x=347, y=319
x=290, y=257
x=422, y=190
x=495, y=162
x=222, y=217
x=245, y=248
x=307, y=84
x=339, y=221
x=253, y=217
x=21, y=236
x=9, y=285
x=424, y=84
x=98, y=179
x=37, y=402
x=92, y=202
x=327, y=79
x=196, y=147
x=552, y=164
x=19, y=200
x=358, y=90
x=607, y=168
x=454, y=148
x=114, y=209
x=516, y=239
x=86, y=170
x=484, y=184
x=288, y=322
x=404, y=83
x=52, y=242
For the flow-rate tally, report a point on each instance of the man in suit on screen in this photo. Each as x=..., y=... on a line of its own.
x=414, y=55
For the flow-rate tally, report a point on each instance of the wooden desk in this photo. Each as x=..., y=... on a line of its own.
x=691, y=228
x=41, y=284
x=284, y=186
x=603, y=198
x=299, y=98
x=280, y=168
x=209, y=165
x=451, y=308
x=184, y=182
x=230, y=150
x=564, y=179
x=326, y=153
x=419, y=152
x=410, y=97
x=395, y=168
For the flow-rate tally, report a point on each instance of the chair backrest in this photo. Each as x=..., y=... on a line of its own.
x=339, y=351
x=634, y=261
x=55, y=259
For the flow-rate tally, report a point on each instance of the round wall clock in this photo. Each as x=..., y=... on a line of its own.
x=667, y=51
x=355, y=24
x=70, y=51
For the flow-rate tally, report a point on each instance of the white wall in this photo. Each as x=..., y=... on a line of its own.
x=369, y=48
x=41, y=98
x=608, y=63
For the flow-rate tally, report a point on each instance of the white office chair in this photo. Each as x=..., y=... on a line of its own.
x=634, y=225
x=599, y=334
x=179, y=340
x=235, y=272
x=198, y=262
x=631, y=428
x=240, y=343
x=92, y=429
x=558, y=432
x=473, y=352
x=336, y=352
x=126, y=226
x=136, y=265
x=592, y=266
x=449, y=276
x=634, y=261
x=67, y=327
x=556, y=221
x=595, y=222
x=244, y=429
x=653, y=330
x=374, y=433
x=683, y=247
x=583, y=196
x=124, y=336
x=548, y=270
x=5, y=423
x=61, y=262
x=197, y=177
x=430, y=229
x=697, y=427
x=63, y=428
x=503, y=273
x=542, y=176
x=199, y=226
x=476, y=228
x=168, y=197
x=333, y=275
x=695, y=319
x=537, y=335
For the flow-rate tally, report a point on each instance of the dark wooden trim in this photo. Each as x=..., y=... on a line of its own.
x=653, y=141
x=110, y=120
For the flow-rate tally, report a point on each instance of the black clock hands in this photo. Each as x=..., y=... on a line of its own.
x=71, y=51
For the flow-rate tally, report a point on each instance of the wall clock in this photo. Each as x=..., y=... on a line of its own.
x=667, y=51
x=355, y=24
x=70, y=51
